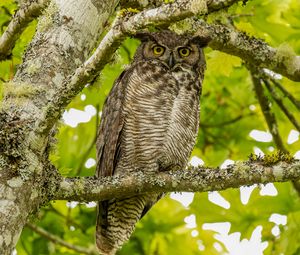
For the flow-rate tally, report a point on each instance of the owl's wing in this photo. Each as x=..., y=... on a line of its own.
x=109, y=132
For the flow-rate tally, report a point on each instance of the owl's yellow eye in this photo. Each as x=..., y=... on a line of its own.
x=184, y=52
x=158, y=50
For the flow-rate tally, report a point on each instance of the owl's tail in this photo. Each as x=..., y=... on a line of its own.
x=116, y=220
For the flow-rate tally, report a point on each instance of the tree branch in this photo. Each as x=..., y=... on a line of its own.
x=226, y=122
x=266, y=109
x=212, y=5
x=51, y=209
x=279, y=102
x=294, y=100
x=250, y=49
x=23, y=16
x=198, y=179
x=57, y=240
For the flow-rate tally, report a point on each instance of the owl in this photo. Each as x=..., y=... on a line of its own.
x=149, y=123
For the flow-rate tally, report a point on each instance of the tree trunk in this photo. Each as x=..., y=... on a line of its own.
x=66, y=34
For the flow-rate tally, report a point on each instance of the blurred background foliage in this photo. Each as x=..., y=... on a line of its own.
x=250, y=220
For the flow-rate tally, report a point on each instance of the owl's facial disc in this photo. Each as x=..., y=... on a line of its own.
x=175, y=57
x=164, y=54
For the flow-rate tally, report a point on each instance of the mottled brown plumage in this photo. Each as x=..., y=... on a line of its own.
x=149, y=123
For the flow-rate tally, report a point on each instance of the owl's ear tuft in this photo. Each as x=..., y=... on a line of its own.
x=200, y=40
x=143, y=36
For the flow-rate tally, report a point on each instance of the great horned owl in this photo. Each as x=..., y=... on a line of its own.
x=149, y=123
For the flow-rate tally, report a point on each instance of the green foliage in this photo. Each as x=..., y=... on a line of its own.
x=222, y=63
x=9, y=67
x=288, y=244
x=229, y=112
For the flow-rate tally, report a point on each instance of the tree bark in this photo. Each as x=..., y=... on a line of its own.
x=66, y=34
x=195, y=179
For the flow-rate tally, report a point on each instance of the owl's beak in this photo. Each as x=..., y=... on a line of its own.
x=171, y=61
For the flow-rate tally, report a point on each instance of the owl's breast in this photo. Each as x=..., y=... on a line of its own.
x=161, y=111
x=183, y=120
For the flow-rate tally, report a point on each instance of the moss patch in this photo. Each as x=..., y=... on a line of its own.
x=272, y=159
x=287, y=56
x=12, y=89
x=45, y=21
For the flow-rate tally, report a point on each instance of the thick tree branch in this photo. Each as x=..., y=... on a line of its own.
x=212, y=5
x=23, y=16
x=251, y=49
x=57, y=240
x=199, y=179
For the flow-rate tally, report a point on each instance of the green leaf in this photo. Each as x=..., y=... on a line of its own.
x=222, y=63
x=289, y=241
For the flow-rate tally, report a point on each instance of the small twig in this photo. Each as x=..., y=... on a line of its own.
x=294, y=100
x=139, y=246
x=6, y=11
x=73, y=222
x=266, y=110
x=232, y=17
x=216, y=5
x=221, y=140
x=21, y=19
x=57, y=240
x=85, y=155
x=91, y=146
x=1, y=79
x=227, y=122
x=211, y=139
x=279, y=102
x=241, y=15
x=24, y=246
x=127, y=51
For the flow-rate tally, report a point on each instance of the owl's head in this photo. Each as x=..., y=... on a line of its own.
x=172, y=50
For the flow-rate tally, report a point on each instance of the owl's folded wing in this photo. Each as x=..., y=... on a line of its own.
x=109, y=132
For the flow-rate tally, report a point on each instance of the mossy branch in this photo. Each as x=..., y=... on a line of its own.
x=195, y=179
x=212, y=5
x=282, y=60
x=28, y=11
